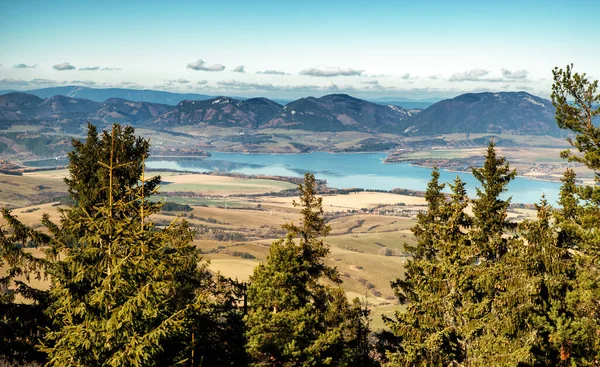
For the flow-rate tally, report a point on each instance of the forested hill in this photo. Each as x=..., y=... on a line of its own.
x=506, y=112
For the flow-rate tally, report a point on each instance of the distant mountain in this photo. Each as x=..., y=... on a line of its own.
x=339, y=112
x=18, y=106
x=505, y=112
x=138, y=112
x=221, y=111
x=102, y=94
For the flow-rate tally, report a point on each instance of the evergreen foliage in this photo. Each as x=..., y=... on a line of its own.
x=481, y=290
x=576, y=100
x=428, y=332
x=124, y=292
x=295, y=319
x=20, y=322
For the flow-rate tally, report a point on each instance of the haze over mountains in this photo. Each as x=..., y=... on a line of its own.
x=506, y=112
x=102, y=94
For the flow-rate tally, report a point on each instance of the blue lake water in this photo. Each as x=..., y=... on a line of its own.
x=365, y=171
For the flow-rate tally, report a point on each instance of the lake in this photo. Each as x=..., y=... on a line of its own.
x=340, y=170
x=365, y=170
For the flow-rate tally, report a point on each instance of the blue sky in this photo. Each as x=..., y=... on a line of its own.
x=417, y=49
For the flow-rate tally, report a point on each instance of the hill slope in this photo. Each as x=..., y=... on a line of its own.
x=506, y=112
x=220, y=111
x=340, y=112
x=18, y=106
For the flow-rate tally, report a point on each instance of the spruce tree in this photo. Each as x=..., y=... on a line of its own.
x=118, y=295
x=294, y=318
x=489, y=336
x=20, y=322
x=87, y=178
x=489, y=210
x=577, y=100
x=124, y=291
x=428, y=332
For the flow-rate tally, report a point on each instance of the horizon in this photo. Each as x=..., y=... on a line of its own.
x=379, y=100
x=288, y=51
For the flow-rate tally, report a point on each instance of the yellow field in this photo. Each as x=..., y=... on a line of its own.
x=355, y=201
x=23, y=190
x=221, y=185
x=234, y=269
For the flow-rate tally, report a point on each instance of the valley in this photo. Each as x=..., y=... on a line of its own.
x=253, y=152
x=237, y=218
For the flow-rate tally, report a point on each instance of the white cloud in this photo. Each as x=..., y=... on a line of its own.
x=331, y=72
x=474, y=75
x=370, y=82
x=24, y=66
x=514, y=75
x=42, y=81
x=63, y=66
x=239, y=69
x=245, y=86
x=405, y=76
x=87, y=83
x=13, y=82
x=201, y=65
x=177, y=81
x=202, y=82
x=272, y=72
x=482, y=75
x=98, y=68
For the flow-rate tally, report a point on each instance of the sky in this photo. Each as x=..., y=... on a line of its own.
x=413, y=50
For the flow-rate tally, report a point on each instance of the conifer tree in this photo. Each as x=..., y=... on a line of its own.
x=20, y=322
x=544, y=277
x=429, y=331
x=489, y=210
x=577, y=100
x=118, y=294
x=86, y=182
x=124, y=292
x=295, y=319
x=489, y=336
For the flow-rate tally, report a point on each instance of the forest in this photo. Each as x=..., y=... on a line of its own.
x=478, y=289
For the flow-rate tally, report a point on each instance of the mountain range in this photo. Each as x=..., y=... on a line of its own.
x=506, y=112
x=102, y=94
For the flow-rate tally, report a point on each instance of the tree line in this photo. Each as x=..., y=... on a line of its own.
x=478, y=289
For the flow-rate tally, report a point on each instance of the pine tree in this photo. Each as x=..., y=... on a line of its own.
x=123, y=290
x=20, y=322
x=489, y=336
x=489, y=210
x=86, y=183
x=428, y=332
x=576, y=100
x=294, y=318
